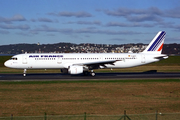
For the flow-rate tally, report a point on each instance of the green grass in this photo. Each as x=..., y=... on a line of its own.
x=109, y=97
x=87, y=81
x=171, y=61
x=3, y=59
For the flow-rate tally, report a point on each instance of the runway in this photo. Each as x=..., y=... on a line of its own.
x=99, y=76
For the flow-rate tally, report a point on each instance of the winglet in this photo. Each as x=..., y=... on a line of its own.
x=156, y=44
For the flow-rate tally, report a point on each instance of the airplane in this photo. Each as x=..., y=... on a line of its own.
x=78, y=63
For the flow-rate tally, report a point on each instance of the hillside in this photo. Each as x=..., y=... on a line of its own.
x=83, y=48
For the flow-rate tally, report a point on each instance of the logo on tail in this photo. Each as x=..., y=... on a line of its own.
x=156, y=44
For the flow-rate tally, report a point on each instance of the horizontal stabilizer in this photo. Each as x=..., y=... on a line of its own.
x=161, y=57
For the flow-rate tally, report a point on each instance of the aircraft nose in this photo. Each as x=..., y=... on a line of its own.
x=7, y=64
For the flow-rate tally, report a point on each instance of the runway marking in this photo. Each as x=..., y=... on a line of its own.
x=130, y=75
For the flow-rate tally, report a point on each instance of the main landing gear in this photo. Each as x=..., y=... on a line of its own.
x=24, y=72
x=92, y=73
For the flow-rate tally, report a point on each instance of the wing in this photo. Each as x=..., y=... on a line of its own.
x=97, y=64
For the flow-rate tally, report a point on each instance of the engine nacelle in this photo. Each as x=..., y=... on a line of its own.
x=75, y=69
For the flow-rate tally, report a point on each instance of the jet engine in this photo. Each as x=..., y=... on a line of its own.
x=75, y=69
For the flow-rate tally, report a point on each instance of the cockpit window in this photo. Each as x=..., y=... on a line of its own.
x=14, y=58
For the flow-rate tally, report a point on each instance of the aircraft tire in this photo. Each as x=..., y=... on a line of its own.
x=93, y=74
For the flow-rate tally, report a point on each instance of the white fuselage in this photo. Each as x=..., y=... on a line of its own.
x=63, y=60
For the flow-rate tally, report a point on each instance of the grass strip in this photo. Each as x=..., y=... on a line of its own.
x=90, y=81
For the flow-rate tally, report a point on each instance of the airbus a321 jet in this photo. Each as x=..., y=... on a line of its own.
x=77, y=63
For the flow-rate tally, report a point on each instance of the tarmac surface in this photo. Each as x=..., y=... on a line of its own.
x=99, y=76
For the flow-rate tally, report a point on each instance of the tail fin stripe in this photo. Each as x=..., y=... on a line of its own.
x=155, y=44
x=160, y=48
x=158, y=41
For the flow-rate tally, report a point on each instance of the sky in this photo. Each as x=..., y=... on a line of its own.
x=88, y=21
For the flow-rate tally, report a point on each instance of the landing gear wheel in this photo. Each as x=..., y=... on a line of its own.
x=24, y=73
x=93, y=74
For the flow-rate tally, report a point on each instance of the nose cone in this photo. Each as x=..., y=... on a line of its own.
x=7, y=63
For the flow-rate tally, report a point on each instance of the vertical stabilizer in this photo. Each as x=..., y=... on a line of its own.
x=156, y=45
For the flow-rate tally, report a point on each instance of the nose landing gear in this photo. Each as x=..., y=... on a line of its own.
x=24, y=72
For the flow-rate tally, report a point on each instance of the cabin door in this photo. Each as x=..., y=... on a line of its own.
x=100, y=58
x=59, y=60
x=24, y=59
x=143, y=59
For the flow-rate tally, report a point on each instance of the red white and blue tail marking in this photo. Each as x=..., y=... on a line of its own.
x=156, y=44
